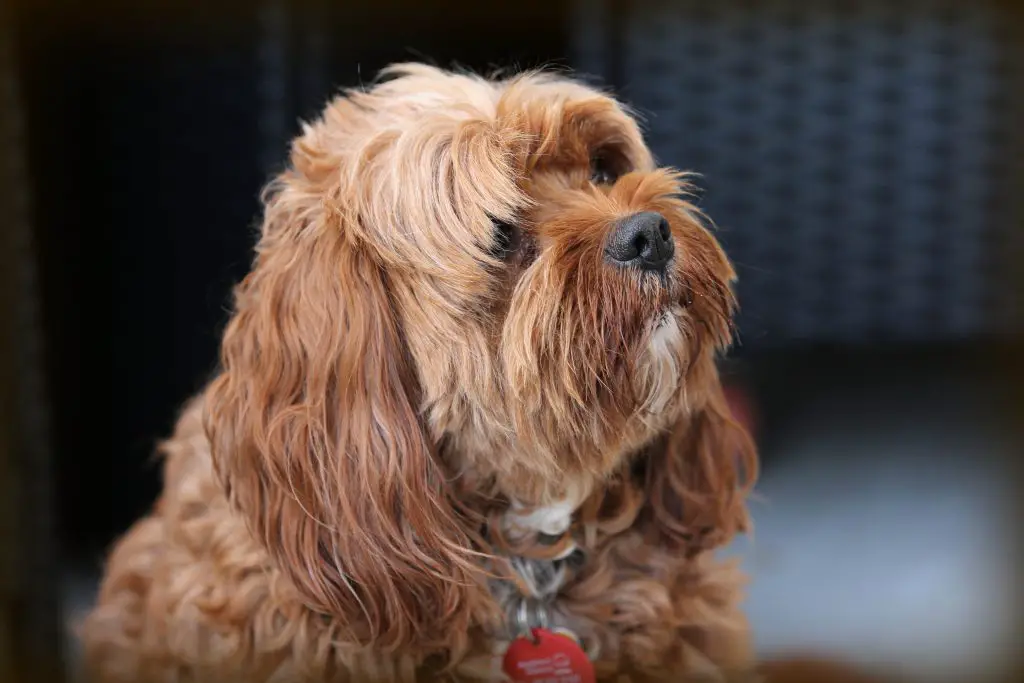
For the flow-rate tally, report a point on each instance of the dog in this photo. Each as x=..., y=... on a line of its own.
x=468, y=394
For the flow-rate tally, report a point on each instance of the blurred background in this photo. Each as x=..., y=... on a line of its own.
x=863, y=161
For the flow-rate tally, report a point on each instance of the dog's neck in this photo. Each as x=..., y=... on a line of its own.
x=548, y=526
x=546, y=561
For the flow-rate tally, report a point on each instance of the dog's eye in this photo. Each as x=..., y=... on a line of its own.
x=507, y=238
x=604, y=169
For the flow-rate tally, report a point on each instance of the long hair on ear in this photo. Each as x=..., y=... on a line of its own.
x=315, y=432
x=698, y=476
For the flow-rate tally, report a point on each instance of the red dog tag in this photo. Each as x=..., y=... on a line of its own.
x=551, y=657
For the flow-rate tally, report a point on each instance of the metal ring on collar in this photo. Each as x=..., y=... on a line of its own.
x=530, y=614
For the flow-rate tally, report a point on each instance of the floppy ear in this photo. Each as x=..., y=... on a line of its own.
x=698, y=477
x=315, y=433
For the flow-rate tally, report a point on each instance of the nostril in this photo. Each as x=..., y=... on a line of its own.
x=640, y=243
x=664, y=231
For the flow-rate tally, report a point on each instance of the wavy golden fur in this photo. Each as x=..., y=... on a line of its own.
x=430, y=340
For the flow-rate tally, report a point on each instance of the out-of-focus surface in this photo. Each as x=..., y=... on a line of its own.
x=882, y=529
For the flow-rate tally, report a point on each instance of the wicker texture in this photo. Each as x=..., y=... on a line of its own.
x=852, y=156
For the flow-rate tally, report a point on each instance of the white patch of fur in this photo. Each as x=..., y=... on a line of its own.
x=553, y=519
x=661, y=372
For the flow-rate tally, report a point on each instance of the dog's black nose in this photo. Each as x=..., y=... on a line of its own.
x=643, y=240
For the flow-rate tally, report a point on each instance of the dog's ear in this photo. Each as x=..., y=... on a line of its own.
x=698, y=476
x=315, y=432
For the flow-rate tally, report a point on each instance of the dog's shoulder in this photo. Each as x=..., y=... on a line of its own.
x=188, y=473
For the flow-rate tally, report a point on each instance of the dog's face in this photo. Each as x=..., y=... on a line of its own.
x=464, y=284
x=550, y=283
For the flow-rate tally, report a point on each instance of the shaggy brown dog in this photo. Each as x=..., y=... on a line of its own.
x=473, y=364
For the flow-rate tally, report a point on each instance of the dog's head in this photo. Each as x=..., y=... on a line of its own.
x=464, y=283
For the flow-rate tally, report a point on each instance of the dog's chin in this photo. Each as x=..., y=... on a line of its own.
x=665, y=322
x=662, y=365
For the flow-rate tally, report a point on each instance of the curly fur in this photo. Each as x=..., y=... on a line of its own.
x=399, y=409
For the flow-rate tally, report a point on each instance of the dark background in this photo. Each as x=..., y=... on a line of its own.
x=862, y=160
x=152, y=133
